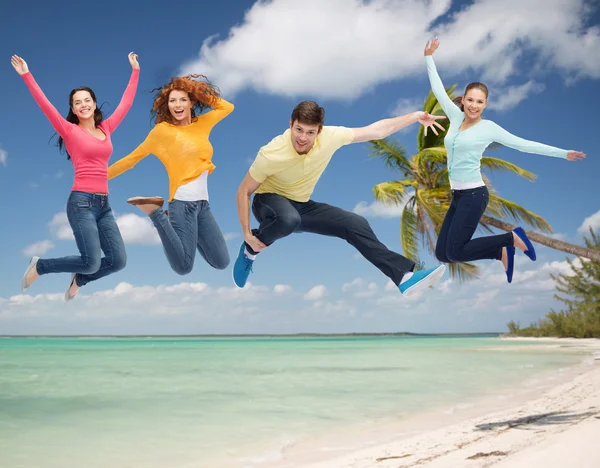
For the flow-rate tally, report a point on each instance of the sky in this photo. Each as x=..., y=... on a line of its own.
x=362, y=61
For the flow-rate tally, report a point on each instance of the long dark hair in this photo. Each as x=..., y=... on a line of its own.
x=470, y=86
x=71, y=117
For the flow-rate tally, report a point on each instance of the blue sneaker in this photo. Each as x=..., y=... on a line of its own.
x=530, y=252
x=421, y=279
x=510, y=253
x=242, y=268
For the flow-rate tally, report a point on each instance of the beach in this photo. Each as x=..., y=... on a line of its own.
x=298, y=402
x=556, y=429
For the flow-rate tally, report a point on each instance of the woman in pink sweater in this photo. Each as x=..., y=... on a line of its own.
x=86, y=136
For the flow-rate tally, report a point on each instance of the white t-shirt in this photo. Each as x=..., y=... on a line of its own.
x=195, y=190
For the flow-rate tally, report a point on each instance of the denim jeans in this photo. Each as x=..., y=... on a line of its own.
x=190, y=226
x=455, y=243
x=96, y=231
x=279, y=217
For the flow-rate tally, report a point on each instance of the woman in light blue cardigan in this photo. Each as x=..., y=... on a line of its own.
x=467, y=138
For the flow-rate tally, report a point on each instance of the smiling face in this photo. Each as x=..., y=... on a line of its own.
x=474, y=102
x=304, y=136
x=180, y=107
x=83, y=105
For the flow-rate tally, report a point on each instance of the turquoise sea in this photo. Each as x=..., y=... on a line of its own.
x=233, y=402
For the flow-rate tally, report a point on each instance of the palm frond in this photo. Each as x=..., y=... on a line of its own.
x=496, y=164
x=392, y=153
x=408, y=231
x=432, y=106
x=393, y=192
x=463, y=271
x=506, y=209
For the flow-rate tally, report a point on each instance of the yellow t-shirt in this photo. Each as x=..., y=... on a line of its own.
x=185, y=151
x=283, y=171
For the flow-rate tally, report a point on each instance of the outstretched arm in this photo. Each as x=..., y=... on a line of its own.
x=61, y=126
x=451, y=109
x=120, y=112
x=128, y=162
x=247, y=188
x=508, y=139
x=384, y=128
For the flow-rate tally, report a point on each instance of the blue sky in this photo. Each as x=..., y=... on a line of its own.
x=362, y=62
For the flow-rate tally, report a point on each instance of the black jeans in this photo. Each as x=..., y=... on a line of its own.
x=279, y=217
x=455, y=243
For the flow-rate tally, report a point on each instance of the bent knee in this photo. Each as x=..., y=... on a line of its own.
x=90, y=265
x=182, y=270
x=221, y=263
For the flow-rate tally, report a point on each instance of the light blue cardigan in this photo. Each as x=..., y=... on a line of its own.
x=465, y=148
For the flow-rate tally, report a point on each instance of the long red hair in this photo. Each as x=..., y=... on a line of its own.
x=202, y=93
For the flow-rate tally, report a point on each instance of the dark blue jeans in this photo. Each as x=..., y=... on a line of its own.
x=96, y=231
x=455, y=243
x=190, y=226
x=279, y=217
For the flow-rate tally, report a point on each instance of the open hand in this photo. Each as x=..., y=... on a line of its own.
x=430, y=121
x=19, y=64
x=432, y=46
x=133, y=60
x=575, y=155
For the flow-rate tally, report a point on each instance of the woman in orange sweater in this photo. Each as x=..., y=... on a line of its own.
x=180, y=141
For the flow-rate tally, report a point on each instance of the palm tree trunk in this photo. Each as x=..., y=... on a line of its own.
x=555, y=244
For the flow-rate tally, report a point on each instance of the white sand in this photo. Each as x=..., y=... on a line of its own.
x=559, y=429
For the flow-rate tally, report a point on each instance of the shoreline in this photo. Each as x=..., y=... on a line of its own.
x=554, y=429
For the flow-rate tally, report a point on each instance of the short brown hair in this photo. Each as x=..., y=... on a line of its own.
x=308, y=112
x=470, y=86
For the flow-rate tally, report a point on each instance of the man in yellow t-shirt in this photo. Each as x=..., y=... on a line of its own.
x=283, y=177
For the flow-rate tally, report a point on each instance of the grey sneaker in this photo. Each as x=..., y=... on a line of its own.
x=68, y=297
x=32, y=264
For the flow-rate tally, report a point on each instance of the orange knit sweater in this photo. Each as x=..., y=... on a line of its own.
x=185, y=151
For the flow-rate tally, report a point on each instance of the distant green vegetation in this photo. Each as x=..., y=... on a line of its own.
x=580, y=292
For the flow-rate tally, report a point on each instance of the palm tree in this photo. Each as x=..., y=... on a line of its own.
x=424, y=191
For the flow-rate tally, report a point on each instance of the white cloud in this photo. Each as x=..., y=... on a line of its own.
x=378, y=209
x=282, y=289
x=137, y=229
x=39, y=248
x=232, y=235
x=59, y=226
x=3, y=157
x=405, y=106
x=360, y=305
x=318, y=292
x=509, y=98
x=342, y=49
x=592, y=221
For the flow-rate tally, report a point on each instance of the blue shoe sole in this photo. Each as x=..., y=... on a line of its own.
x=530, y=252
x=510, y=253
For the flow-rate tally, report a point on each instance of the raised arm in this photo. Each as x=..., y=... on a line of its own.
x=59, y=124
x=451, y=109
x=384, y=128
x=221, y=110
x=127, y=100
x=508, y=139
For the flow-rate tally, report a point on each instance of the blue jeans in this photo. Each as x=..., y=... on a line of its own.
x=279, y=217
x=455, y=243
x=190, y=226
x=96, y=231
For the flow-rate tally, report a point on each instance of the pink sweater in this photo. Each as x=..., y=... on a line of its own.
x=89, y=154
